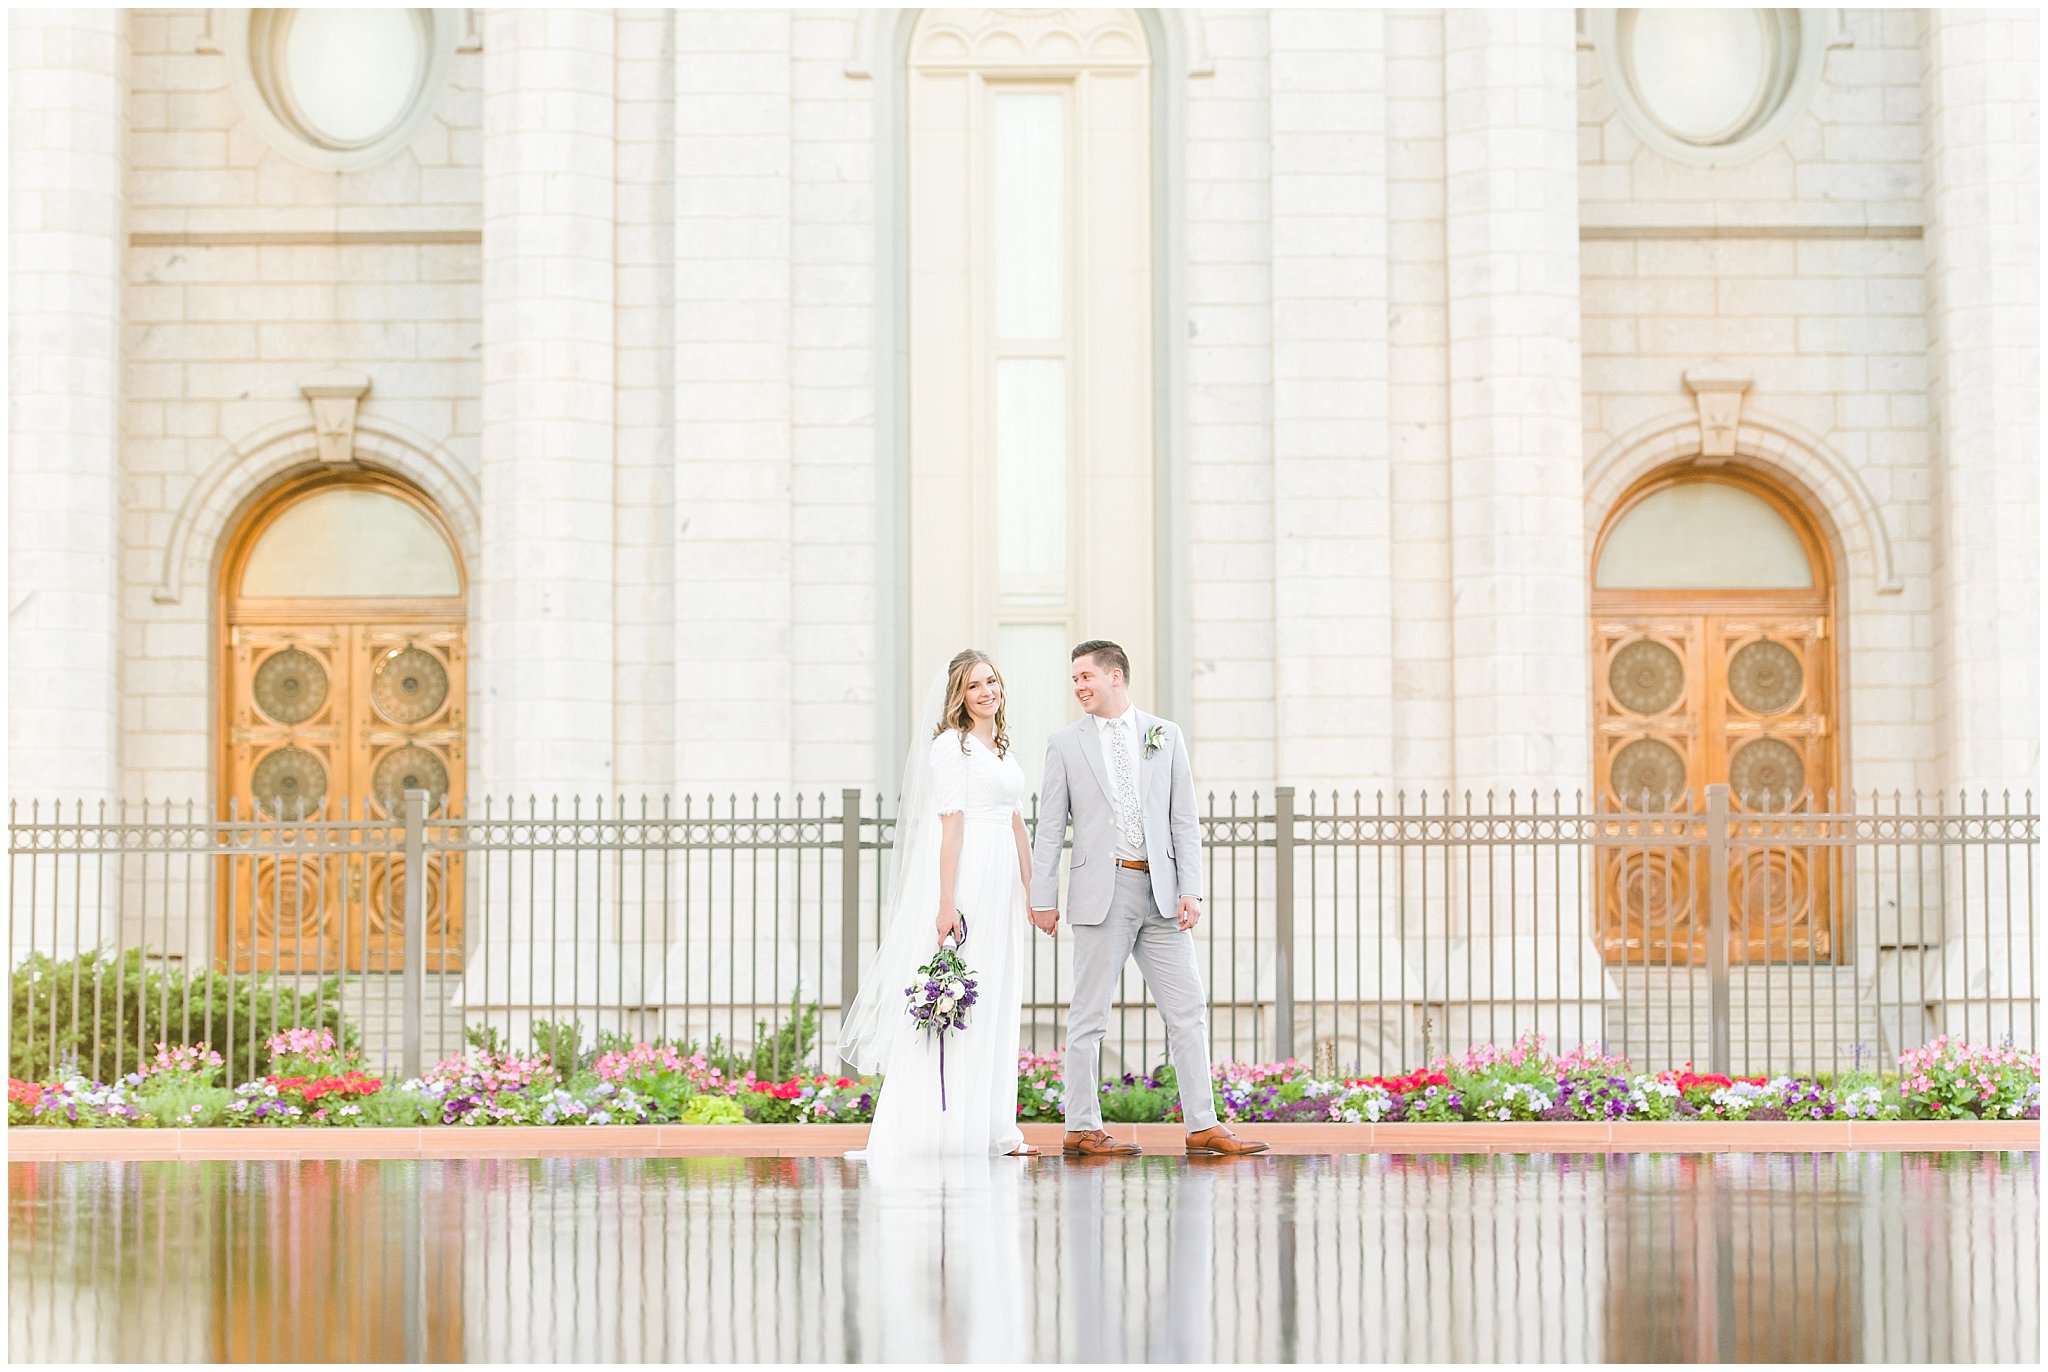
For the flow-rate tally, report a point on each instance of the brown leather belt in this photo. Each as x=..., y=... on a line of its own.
x=1134, y=866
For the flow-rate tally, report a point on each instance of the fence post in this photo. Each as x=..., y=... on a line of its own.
x=1718, y=1013
x=849, y=897
x=1283, y=922
x=413, y=985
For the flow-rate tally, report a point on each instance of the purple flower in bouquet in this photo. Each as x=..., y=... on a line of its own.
x=940, y=1006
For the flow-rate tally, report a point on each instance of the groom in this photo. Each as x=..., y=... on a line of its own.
x=1122, y=777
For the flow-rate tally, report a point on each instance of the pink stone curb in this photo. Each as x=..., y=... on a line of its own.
x=829, y=1140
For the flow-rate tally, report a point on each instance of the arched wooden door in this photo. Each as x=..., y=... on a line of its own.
x=343, y=673
x=1713, y=661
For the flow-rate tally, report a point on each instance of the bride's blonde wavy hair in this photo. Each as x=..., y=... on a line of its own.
x=956, y=715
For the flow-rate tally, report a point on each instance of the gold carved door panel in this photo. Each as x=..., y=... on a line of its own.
x=1682, y=701
x=335, y=722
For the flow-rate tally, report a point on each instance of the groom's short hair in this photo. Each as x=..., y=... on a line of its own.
x=1106, y=655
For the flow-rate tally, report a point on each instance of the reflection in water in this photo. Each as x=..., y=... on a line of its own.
x=1788, y=1257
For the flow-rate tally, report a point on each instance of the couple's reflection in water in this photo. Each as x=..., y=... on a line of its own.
x=956, y=1264
x=1169, y=1322
x=1773, y=1257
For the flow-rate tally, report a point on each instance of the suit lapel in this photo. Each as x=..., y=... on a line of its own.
x=1148, y=767
x=1088, y=738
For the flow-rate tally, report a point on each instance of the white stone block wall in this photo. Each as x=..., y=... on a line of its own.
x=1418, y=331
x=1332, y=491
x=734, y=502
x=246, y=274
x=1983, y=204
x=1518, y=618
x=67, y=74
x=644, y=576
x=1801, y=267
x=721, y=606
x=834, y=295
x=1230, y=407
x=544, y=687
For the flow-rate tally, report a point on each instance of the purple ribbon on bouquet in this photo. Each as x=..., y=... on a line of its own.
x=959, y=942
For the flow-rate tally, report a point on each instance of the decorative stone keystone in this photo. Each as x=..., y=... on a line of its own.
x=334, y=396
x=1719, y=389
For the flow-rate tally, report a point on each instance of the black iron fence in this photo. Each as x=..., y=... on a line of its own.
x=1362, y=934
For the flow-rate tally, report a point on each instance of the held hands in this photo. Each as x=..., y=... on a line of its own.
x=1190, y=912
x=1045, y=921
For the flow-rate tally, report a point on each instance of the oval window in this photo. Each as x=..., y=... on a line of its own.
x=344, y=81
x=1703, y=535
x=1700, y=73
x=1709, y=85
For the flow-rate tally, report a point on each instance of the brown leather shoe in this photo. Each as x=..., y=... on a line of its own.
x=1094, y=1143
x=1217, y=1139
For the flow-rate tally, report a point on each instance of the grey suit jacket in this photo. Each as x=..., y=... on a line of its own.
x=1076, y=789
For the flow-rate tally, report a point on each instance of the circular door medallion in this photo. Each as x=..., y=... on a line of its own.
x=1646, y=677
x=410, y=768
x=409, y=685
x=291, y=686
x=1656, y=894
x=1647, y=774
x=289, y=783
x=1765, y=677
x=1766, y=772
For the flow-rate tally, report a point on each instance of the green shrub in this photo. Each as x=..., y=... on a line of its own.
x=666, y=1094
x=712, y=1110
x=393, y=1107
x=184, y=1104
x=142, y=1004
x=559, y=1040
x=1137, y=1104
x=774, y=1055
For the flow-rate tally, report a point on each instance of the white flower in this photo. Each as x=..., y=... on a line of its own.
x=945, y=1004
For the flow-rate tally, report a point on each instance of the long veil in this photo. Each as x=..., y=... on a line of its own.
x=876, y=1023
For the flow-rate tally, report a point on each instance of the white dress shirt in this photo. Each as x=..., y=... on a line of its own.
x=1108, y=737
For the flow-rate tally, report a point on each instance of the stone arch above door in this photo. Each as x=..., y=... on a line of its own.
x=218, y=497
x=1823, y=480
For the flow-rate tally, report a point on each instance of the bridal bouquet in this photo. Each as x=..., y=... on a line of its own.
x=939, y=1004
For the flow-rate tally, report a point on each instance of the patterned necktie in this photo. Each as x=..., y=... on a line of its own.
x=1128, y=822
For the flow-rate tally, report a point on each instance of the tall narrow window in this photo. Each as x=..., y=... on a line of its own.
x=1030, y=369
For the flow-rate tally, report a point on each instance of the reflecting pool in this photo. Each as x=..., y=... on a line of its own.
x=1732, y=1257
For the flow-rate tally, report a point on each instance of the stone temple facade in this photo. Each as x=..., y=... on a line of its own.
x=686, y=386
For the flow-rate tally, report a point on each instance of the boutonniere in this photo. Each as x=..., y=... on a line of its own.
x=1155, y=739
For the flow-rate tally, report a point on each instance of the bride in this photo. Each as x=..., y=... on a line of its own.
x=962, y=864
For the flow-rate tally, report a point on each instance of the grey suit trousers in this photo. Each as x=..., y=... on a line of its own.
x=1166, y=957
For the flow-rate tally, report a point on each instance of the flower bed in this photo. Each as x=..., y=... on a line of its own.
x=314, y=1082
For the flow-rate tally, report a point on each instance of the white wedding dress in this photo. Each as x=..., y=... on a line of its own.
x=979, y=1111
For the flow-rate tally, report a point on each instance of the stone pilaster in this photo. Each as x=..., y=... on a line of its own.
x=1981, y=84
x=67, y=83
x=545, y=652
x=1331, y=611
x=1517, y=530
x=1518, y=617
x=734, y=418
x=545, y=657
